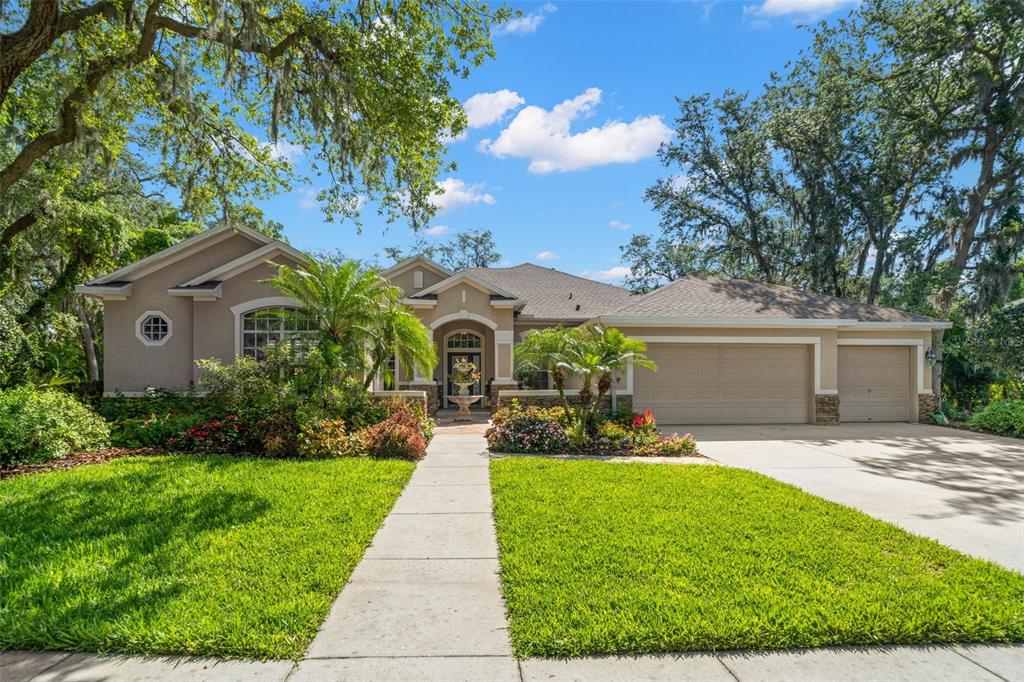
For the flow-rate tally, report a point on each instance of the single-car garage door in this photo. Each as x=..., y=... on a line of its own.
x=725, y=384
x=874, y=383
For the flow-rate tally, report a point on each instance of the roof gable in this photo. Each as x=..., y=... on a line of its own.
x=412, y=261
x=464, y=277
x=180, y=250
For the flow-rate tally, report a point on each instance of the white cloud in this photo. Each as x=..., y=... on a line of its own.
x=528, y=23
x=619, y=225
x=307, y=198
x=437, y=230
x=485, y=108
x=285, y=150
x=616, y=274
x=455, y=193
x=810, y=8
x=547, y=255
x=544, y=137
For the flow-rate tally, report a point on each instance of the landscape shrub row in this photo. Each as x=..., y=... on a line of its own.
x=538, y=430
x=260, y=408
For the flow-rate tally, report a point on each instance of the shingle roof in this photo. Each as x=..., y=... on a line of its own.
x=553, y=295
x=701, y=296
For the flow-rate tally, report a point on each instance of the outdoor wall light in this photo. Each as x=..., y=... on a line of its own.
x=931, y=357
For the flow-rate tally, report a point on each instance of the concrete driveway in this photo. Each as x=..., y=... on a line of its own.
x=963, y=489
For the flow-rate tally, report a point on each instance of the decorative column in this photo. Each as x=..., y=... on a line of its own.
x=504, y=370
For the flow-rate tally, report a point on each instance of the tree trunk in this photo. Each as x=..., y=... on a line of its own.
x=937, y=368
x=88, y=342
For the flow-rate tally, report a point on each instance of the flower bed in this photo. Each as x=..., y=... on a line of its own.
x=538, y=430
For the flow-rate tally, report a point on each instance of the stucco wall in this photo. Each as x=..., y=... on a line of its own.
x=405, y=279
x=130, y=366
x=215, y=325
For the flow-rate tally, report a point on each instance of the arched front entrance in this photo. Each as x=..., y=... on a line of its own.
x=462, y=343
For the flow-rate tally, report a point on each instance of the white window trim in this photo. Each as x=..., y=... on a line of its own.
x=918, y=343
x=782, y=340
x=147, y=342
x=256, y=304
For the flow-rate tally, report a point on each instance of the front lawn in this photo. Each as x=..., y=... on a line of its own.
x=213, y=555
x=600, y=558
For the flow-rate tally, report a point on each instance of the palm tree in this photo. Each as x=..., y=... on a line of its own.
x=359, y=316
x=542, y=351
x=397, y=331
x=593, y=354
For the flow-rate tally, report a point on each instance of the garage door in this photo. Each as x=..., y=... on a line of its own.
x=874, y=383
x=725, y=384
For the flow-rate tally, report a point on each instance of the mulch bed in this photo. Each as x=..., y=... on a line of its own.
x=77, y=459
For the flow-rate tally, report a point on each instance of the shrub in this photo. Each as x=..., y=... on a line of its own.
x=670, y=446
x=229, y=436
x=1002, y=417
x=516, y=409
x=394, y=437
x=39, y=425
x=330, y=438
x=153, y=420
x=16, y=351
x=251, y=389
x=527, y=434
x=277, y=435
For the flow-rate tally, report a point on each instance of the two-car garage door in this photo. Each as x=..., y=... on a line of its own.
x=726, y=384
x=770, y=384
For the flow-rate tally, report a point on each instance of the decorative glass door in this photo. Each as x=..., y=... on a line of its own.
x=465, y=345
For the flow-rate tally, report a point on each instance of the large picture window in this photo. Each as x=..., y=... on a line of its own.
x=265, y=328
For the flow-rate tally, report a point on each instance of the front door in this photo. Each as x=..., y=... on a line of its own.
x=454, y=357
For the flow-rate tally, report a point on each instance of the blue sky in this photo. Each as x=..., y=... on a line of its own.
x=568, y=118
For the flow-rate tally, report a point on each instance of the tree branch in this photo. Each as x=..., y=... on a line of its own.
x=45, y=23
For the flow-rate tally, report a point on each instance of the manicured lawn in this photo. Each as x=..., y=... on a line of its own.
x=601, y=558
x=206, y=555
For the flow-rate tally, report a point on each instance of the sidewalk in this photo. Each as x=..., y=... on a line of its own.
x=425, y=604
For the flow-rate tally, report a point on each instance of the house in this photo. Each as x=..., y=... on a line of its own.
x=727, y=351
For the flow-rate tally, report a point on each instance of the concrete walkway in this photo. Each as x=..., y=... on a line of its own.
x=425, y=604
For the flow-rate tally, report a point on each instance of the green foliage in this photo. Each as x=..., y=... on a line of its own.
x=201, y=547
x=329, y=438
x=39, y=425
x=250, y=388
x=998, y=342
x=667, y=558
x=1002, y=417
x=592, y=354
x=152, y=420
x=16, y=352
x=669, y=446
x=469, y=249
x=354, y=308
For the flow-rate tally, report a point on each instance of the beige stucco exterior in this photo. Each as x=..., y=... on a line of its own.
x=206, y=324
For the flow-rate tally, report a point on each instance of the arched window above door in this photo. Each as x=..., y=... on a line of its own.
x=464, y=341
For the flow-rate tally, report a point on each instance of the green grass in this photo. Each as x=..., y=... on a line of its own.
x=202, y=555
x=601, y=558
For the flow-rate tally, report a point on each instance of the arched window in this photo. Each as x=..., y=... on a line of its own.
x=264, y=328
x=464, y=341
